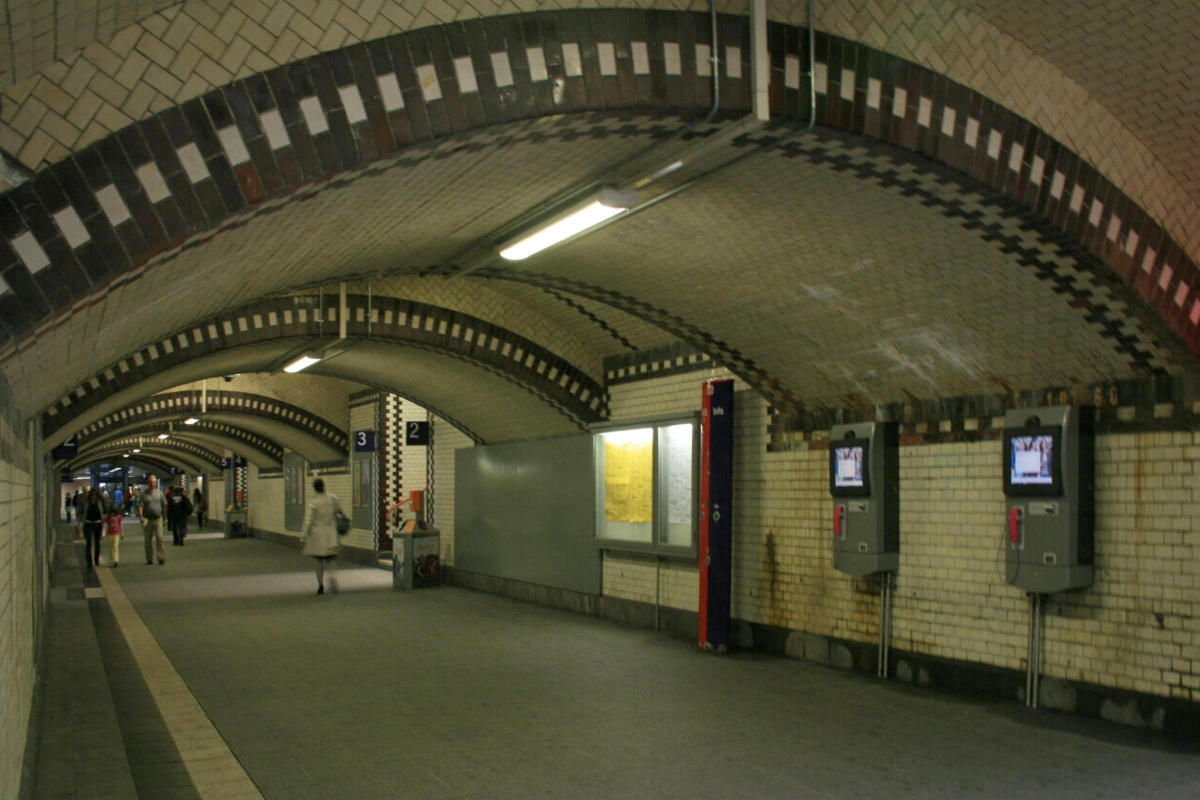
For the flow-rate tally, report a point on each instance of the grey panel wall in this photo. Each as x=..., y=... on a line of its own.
x=526, y=511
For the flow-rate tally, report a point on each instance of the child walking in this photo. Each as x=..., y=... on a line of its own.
x=112, y=524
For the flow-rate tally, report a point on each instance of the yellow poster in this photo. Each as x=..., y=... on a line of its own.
x=628, y=482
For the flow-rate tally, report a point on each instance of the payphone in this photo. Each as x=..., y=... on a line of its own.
x=864, y=478
x=1049, y=479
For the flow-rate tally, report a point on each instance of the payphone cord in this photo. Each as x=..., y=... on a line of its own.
x=1011, y=574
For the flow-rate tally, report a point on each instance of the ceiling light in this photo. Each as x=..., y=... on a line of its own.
x=137, y=449
x=303, y=362
x=191, y=420
x=599, y=207
x=164, y=436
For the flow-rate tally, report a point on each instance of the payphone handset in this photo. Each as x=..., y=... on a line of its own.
x=864, y=467
x=1049, y=489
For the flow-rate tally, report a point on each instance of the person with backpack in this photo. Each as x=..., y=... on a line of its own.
x=319, y=538
x=93, y=526
x=179, y=508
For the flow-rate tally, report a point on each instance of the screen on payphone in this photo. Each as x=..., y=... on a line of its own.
x=1033, y=462
x=848, y=467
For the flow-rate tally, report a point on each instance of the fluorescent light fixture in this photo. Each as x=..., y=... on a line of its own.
x=164, y=436
x=303, y=362
x=191, y=420
x=118, y=469
x=603, y=205
x=137, y=449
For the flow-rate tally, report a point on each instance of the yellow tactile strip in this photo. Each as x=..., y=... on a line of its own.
x=212, y=767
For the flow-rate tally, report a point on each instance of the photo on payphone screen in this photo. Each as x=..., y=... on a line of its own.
x=848, y=466
x=1032, y=460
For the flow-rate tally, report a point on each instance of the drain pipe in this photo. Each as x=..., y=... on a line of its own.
x=714, y=62
x=812, y=67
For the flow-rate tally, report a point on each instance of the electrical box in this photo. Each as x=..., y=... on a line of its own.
x=864, y=479
x=1049, y=485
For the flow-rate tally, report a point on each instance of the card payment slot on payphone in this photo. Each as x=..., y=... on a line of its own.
x=1049, y=488
x=864, y=469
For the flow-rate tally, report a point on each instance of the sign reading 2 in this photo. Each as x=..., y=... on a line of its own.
x=416, y=433
x=364, y=441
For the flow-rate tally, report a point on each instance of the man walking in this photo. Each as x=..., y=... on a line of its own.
x=150, y=511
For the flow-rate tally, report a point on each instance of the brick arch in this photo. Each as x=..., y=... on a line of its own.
x=154, y=410
x=180, y=177
x=236, y=438
x=198, y=454
x=551, y=379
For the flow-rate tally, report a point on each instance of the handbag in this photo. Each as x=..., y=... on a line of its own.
x=341, y=521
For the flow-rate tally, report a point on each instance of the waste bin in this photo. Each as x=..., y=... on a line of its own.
x=236, y=525
x=417, y=559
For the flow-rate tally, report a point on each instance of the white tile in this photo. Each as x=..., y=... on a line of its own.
x=791, y=72
x=1037, y=170
x=431, y=88
x=235, y=148
x=72, y=227
x=1016, y=157
x=314, y=115
x=1164, y=277
x=1195, y=315
x=572, y=60
x=900, y=102
x=703, y=59
x=1097, y=211
x=389, y=92
x=1148, y=260
x=193, y=162
x=671, y=58
x=1077, y=199
x=995, y=139
x=949, y=115
x=1181, y=294
x=874, y=93
x=1131, y=242
x=152, y=181
x=924, y=111
x=847, y=87
x=608, y=58
x=971, y=134
x=1057, y=185
x=502, y=69
x=1114, y=228
x=114, y=207
x=641, y=58
x=352, y=103
x=733, y=61
x=4, y=287
x=30, y=252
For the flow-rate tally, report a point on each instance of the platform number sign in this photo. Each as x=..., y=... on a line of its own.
x=416, y=433
x=364, y=441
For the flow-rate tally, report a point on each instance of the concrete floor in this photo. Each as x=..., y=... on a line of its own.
x=446, y=693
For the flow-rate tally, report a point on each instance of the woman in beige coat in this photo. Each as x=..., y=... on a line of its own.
x=319, y=538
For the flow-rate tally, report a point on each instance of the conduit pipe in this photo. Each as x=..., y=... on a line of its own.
x=760, y=79
x=812, y=67
x=714, y=62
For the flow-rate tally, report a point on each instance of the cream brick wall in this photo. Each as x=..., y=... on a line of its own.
x=446, y=440
x=266, y=501
x=1135, y=629
x=16, y=617
x=412, y=475
x=215, y=490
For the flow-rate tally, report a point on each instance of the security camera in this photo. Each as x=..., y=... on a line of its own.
x=227, y=378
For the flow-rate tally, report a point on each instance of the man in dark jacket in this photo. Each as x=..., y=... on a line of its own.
x=179, y=508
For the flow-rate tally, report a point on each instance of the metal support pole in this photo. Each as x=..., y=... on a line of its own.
x=1034, y=659
x=885, y=624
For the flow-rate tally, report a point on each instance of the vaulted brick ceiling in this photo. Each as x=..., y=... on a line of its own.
x=823, y=268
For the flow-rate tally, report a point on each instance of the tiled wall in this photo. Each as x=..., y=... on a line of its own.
x=16, y=592
x=446, y=440
x=266, y=501
x=1135, y=629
